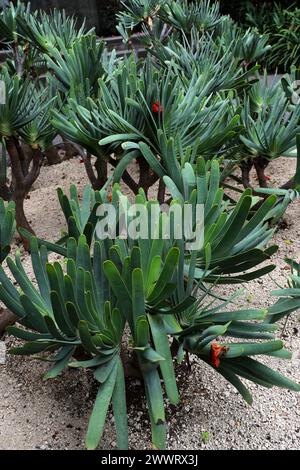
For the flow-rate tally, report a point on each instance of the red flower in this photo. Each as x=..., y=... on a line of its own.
x=268, y=178
x=157, y=108
x=216, y=351
x=109, y=197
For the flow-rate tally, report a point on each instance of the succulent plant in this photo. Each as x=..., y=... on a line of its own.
x=26, y=132
x=46, y=30
x=271, y=126
x=289, y=300
x=150, y=286
x=218, y=68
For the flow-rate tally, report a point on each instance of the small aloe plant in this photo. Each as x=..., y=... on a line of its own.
x=80, y=215
x=289, y=301
x=271, y=127
x=81, y=218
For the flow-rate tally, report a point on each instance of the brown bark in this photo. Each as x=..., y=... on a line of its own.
x=130, y=182
x=146, y=180
x=70, y=150
x=52, y=155
x=246, y=168
x=147, y=177
x=5, y=192
x=7, y=318
x=174, y=347
x=260, y=164
x=19, y=59
x=145, y=174
x=101, y=170
x=25, y=156
x=24, y=177
x=161, y=192
x=130, y=363
x=290, y=184
x=89, y=170
x=96, y=175
x=21, y=219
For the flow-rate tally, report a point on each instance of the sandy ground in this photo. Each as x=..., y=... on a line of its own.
x=54, y=415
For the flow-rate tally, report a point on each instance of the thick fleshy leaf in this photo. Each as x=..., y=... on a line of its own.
x=100, y=408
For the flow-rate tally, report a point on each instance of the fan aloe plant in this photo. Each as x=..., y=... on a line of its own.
x=248, y=47
x=234, y=231
x=80, y=215
x=219, y=71
x=147, y=285
x=22, y=59
x=136, y=12
x=47, y=30
x=72, y=68
x=26, y=132
x=81, y=219
x=133, y=305
x=286, y=50
x=180, y=15
x=184, y=15
x=179, y=20
x=235, y=235
x=141, y=113
x=8, y=20
x=252, y=47
x=289, y=298
x=28, y=35
x=271, y=127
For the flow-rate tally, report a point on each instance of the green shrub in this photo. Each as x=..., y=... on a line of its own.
x=26, y=132
x=46, y=31
x=271, y=125
x=238, y=9
x=25, y=128
x=289, y=300
x=282, y=25
x=149, y=286
x=161, y=113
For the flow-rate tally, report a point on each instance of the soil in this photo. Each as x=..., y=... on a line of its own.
x=54, y=414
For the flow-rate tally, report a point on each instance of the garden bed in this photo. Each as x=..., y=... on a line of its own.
x=54, y=414
x=131, y=327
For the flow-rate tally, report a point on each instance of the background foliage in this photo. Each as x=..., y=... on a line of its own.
x=102, y=12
